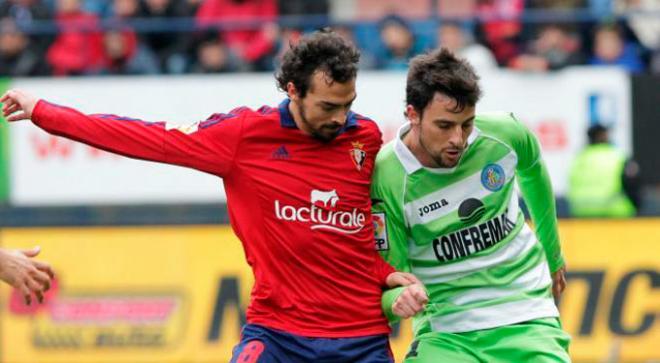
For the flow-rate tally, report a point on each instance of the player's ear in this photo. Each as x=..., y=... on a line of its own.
x=292, y=91
x=412, y=115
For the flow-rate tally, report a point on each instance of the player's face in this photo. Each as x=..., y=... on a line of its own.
x=442, y=131
x=322, y=112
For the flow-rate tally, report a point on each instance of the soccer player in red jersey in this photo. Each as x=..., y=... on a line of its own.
x=297, y=180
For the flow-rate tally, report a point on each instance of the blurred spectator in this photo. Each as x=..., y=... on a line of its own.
x=193, y=5
x=255, y=46
x=25, y=13
x=18, y=57
x=645, y=26
x=457, y=9
x=643, y=17
x=557, y=4
x=367, y=60
x=125, y=9
x=168, y=46
x=611, y=49
x=124, y=54
x=455, y=38
x=398, y=44
x=287, y=38
x=213, y=56
x=501, y=27
x=78, y=48
x=303, y=7
x=378, y=9
x=602, y=183
x=553, y=49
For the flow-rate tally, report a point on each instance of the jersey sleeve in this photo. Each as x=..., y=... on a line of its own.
x=391, y=239
x=208, y=146
x=536, y=188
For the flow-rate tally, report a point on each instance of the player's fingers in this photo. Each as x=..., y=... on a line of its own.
x=5, y=97
x=409, y=301
x=556, y=289
x=17, y=117
x=411, y=278
x=33, y=285
x=402, y=311
x=42, y=266
x=27, y=297
x=40, y=296
x=397, y=279
x=8, y=103
x=420, y=296
x=8, y=109
x=402, y=305
x=42, y=278
x=32, y=252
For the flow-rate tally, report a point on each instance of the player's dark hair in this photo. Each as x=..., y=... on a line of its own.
x=441, y=71
x=325, y=51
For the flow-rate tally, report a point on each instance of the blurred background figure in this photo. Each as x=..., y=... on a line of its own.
x=25, y=14
x=454, y=37
x=78, y=48
x=553, y=49
x=501, y=27
x=124, y=9
x=610, y=48
x=169, y=46
x=645, y=26
x=18, y=55
x=603, y=182
x=367, y=59
x=125, y=54
x=213, y=56
x=398, y=44
x=254, y=45
x=303, y=7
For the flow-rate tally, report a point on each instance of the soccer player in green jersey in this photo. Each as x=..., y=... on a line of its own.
x=445, y=207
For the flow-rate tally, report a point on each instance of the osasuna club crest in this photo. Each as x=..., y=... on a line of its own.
x=358, y=155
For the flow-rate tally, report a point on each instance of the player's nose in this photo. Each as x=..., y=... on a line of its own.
x=340, y=117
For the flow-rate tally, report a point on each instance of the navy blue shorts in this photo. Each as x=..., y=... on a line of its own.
x=263, y=345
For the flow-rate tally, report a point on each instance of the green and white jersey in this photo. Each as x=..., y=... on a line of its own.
x=461, y=231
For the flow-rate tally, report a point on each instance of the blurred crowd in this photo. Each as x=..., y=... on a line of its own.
x=83, y=37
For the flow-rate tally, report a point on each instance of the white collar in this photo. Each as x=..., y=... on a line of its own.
x=410, y=161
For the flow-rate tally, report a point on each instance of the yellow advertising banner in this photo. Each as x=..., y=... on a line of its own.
x=178, y=294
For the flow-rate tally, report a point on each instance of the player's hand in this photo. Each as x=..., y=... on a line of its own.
x=396, y=279
x=29, y=276
x=411, y=301
x=17, y=105
x=559, y=282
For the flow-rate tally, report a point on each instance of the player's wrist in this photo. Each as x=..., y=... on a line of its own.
x=387, y=303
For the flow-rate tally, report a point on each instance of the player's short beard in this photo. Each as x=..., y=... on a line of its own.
x=314, y=132
x=437, y=158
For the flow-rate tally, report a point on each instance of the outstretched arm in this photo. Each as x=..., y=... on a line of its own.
x=208, y=146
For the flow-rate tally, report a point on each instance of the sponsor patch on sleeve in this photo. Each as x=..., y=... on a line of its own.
x=186, y=129
x=380, y=231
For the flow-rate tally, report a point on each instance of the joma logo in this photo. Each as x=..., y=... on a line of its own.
x=433, y=206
